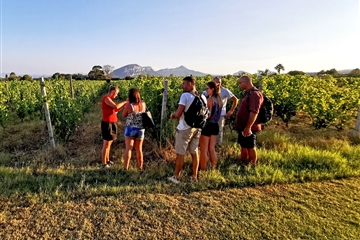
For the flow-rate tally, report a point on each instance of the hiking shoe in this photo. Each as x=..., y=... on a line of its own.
x=110, y=163
x=105, y=166
x=173, y=179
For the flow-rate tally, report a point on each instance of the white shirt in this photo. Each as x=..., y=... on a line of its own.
x=186, y=99
x=225, y=94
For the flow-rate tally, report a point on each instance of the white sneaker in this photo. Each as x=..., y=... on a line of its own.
x=173, y=179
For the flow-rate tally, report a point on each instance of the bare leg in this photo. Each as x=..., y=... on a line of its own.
x=195, y=165
x=213, y=155
x=204, y=143
x=244, y=157
x=179, y=165
x=127, y=154
x=105, y=152
x=139, y=153
x=252, y=156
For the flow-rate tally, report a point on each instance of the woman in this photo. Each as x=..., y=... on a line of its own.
x=211, y=130
x=108, y=123
x=134, y=130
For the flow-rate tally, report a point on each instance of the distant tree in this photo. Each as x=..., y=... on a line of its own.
x=108, y=71
x=322, y=72
x=128, y=78
x=96, y=73
x=12, y=76
x=279, y=67
x=26, y=77
x=267, y=72
x=332, y=72
x=78, y=76
x=96, y=67
x=6, y=76
x=56, y=75
x=355, y=73
x=296, y=72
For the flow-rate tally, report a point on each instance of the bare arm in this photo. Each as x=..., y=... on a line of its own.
x=251, y=121
x=235, y=101
x=120, y=106
x=110, y=102
x=210, y=104
x=178, y=112
x=127, y=110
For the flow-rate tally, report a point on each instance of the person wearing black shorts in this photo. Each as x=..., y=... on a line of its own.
x=108, y=123
x=211, y=130
x=246, y=120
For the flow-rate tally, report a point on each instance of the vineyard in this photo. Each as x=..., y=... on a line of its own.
x=327, y=101
x=306, y=185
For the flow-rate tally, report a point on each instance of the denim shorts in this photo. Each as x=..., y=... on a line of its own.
x=134, y=132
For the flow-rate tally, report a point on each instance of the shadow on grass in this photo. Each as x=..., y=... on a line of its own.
x=296, y=165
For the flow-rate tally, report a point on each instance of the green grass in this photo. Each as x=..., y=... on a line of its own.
x=293, y=193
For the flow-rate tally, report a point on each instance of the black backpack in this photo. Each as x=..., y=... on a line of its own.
x=266, y=110
x=197, y=113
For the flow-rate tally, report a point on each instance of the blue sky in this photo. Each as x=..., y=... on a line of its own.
x=211, y=36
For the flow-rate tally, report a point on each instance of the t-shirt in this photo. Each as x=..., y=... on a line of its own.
x=249, y=104
x=225, y=94
x=186, y=99
x=108, y=113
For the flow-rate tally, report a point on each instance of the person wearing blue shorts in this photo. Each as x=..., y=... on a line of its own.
x=134, y=131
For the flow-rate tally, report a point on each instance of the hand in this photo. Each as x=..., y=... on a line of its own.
x=229, y=113
x=247, y=132
x=172, y=116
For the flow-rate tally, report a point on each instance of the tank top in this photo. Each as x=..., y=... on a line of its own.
x=215, y=112
x=134, y=119
x=108, y=113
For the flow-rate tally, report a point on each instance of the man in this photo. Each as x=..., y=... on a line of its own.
x=186, y=138
x=225, y=94
x=108, y=123
x=246, y=120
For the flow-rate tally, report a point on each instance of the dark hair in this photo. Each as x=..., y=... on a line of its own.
x=134, y=96
x=216, y=92
x=111, y=88
x=189, y=79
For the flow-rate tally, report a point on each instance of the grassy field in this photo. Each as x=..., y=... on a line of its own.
x=306, y=186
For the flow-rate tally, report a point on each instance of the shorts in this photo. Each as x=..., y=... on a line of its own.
x=210, y=129
x=187, y=139
x=109, y=130
x=247, y=142
x=134, y=132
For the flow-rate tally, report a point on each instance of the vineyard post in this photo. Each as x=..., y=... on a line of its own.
x=164, y=103
x=357, y=126
x=47, y=113
x=260, y=82
x=71, y=87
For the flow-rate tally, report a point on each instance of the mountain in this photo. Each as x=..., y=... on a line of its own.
x=132, y=70
x=135, y=70
x=239, y=73
x=179, y=71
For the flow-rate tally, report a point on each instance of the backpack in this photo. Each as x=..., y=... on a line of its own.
x=266, y=110
x=197, y=113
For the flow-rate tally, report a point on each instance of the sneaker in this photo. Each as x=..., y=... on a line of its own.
x=110, y=162
x=173, y=179
x=105, y=166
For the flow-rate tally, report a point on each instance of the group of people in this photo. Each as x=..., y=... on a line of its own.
x=134, y=131
x=188, y=138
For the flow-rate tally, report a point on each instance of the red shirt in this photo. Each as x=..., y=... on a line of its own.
x=251, y=102
x=108, y=113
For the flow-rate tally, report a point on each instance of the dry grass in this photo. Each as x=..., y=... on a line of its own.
x=320, y=210
x=61, y=193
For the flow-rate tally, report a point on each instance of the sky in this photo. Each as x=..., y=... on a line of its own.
x=210, y=36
